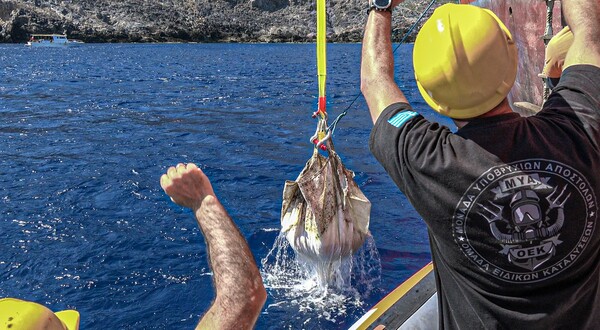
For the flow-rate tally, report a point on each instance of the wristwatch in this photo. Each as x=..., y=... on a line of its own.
x=380, y=5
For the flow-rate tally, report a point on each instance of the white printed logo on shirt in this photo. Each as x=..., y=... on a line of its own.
x=518, y=222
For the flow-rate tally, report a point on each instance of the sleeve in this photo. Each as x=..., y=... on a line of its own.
x=418, y=155
x=428, y=162
x=388, y=136
x=577, y=98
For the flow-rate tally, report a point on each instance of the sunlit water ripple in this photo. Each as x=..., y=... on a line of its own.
x=86, y=133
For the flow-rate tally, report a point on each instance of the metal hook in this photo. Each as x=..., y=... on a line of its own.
x=321, y=144
x=321, y=127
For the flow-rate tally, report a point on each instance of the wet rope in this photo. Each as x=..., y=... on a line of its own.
x=333, y=125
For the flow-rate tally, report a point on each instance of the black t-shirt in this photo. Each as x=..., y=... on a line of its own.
x=511, y=206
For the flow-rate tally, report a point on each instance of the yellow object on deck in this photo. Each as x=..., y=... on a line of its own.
x=20, y=314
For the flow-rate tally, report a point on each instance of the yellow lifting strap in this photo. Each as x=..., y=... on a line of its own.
x=321, y=54
x=322, y=133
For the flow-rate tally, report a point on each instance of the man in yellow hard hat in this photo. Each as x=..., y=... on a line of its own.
x=510, y=202
x=16, y=314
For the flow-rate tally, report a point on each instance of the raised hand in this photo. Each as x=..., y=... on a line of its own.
x=187, y=185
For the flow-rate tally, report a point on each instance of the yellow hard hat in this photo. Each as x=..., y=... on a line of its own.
x=16, y=314
x=465, y=61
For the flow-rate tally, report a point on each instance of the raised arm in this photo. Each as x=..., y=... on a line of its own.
x=583, y=17
x=240, y=293
x=377, y=65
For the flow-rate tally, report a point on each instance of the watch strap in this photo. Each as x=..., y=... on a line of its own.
x=372, y=7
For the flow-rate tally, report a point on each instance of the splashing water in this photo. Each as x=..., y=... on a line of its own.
x=317, y=293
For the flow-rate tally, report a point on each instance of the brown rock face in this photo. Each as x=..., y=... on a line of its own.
x=192, y=20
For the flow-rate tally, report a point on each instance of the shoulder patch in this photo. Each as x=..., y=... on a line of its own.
x=400, y=118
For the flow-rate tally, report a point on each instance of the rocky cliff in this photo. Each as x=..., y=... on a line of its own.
x=192, y=20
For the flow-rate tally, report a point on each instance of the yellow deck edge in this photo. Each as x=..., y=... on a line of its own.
x=392, y=298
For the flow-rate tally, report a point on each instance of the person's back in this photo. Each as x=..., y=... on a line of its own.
x=514, y=231
x=510, y=202
x=526, y=224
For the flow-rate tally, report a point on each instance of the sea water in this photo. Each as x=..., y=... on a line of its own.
x=86, y=132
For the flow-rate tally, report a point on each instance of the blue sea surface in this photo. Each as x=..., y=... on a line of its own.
x=86, y=132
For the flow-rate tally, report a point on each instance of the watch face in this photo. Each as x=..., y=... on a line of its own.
x=382, y=4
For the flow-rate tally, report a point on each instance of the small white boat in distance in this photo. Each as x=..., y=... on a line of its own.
x=75, y=42
x=48, y=40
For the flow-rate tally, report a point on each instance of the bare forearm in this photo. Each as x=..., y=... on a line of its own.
x=377, y=66
x=240, y=293
x=583, y=19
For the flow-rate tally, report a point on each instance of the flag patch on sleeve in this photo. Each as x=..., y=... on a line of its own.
x=400, y=118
